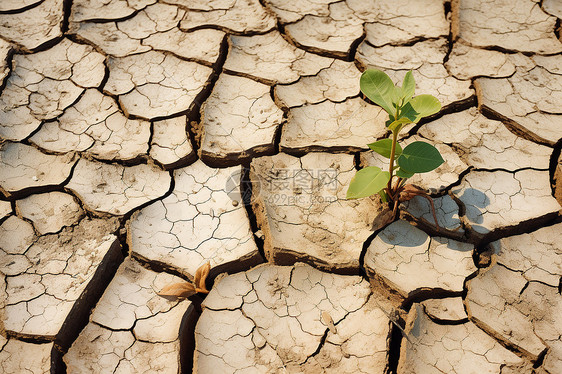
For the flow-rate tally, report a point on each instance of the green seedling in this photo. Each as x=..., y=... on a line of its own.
x=417, y=157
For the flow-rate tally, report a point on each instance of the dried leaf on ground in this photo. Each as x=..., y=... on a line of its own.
x=328, y=321
x=201, y=276
x=178, y=290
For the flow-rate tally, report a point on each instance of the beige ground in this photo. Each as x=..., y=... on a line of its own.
x=140, y=139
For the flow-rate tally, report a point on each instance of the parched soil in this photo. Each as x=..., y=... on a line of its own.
x=141, y=139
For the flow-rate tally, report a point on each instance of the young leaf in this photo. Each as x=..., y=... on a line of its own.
x=409, y=112
x=384, y=196
x=408, y=86
x=396, y=126
x=367, y=182
x=201, y=276
x=378, y=87
x=178, y=290
x=397, y=97
x=420, y=157
x=421, y=106
x=404, y=174
x=384, y=146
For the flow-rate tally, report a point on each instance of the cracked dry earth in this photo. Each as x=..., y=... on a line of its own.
x=140, y=139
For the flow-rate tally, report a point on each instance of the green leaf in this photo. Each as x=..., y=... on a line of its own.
x=426, y=105
x=420, y=157
x=409, y=112
x=378, y=87
x=408, y=86
x=366, y=182
x=404, y=174
x=397, y=125
x=384, y=147
x=397, y=97
x=384, y=196
x=421, y=106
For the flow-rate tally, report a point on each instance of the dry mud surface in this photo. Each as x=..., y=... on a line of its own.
x=142, y=139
